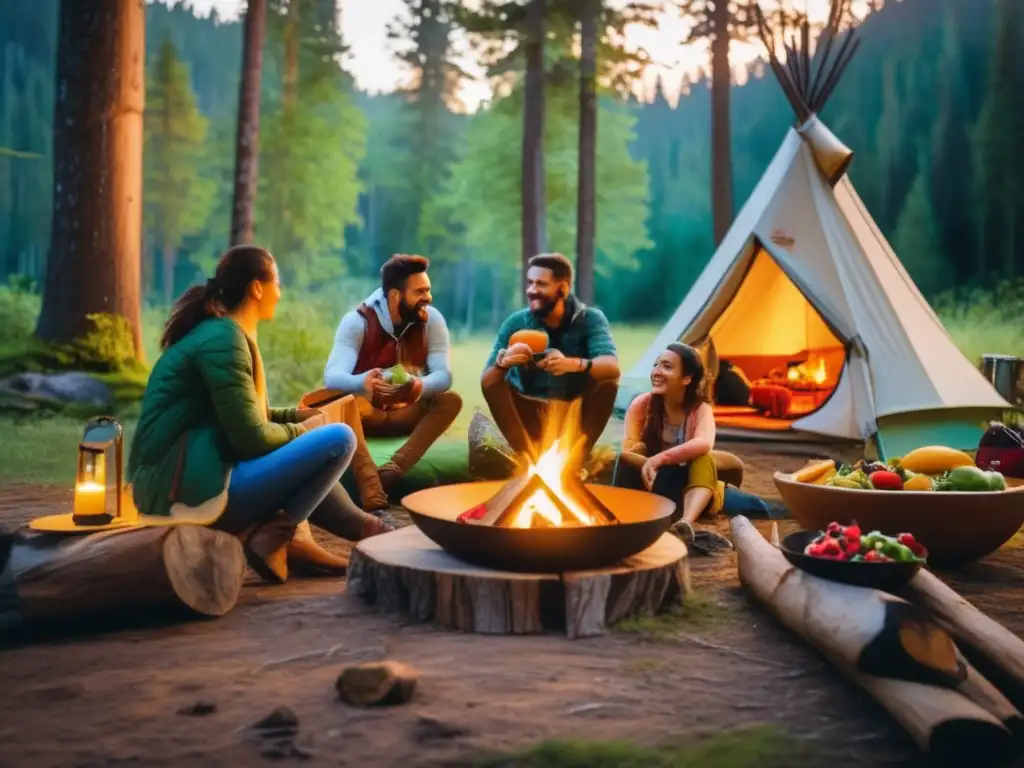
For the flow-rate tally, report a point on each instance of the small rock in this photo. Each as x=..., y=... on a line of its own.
x=377, y=683
x=429, y=728
x=73, y=387
x=199, y=709
x=282, y=722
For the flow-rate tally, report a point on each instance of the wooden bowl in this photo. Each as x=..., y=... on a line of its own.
x=884, y=576
x=955, y=527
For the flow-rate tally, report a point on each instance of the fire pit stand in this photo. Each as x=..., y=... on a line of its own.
x=406, y=573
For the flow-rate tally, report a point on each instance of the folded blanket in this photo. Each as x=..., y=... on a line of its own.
x=771, y=399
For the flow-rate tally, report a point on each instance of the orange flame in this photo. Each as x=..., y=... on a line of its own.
x=559, y=456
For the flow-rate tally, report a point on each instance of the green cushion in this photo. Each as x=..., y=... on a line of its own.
x=446, y=462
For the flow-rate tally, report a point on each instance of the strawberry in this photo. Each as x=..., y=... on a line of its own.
x=875, y=556
x=908, y=541
x=853, y=531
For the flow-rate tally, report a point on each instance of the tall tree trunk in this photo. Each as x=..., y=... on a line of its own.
x=247, y=137
x=533, y=197
x=93, y=266
x=168, y=260
x=586, y=200
x=496, y=288
x=470, y=295
x=721, y=123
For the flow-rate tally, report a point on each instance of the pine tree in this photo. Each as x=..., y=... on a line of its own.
x=917, y=241
x=1000, y=151
x=313, y=141
x=951, y=163
x=247, y=150
x=178, y=197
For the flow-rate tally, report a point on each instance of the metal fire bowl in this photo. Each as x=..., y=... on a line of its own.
x=643, y=516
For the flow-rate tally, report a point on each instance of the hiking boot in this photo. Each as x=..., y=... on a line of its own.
x=266, y=548
x=389, y=474
x=368, y=480
x=305, y=554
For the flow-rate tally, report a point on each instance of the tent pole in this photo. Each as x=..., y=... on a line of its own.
x=878, y=445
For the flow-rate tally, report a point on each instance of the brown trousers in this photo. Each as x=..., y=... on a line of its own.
x=424, y=422
x=521, y=419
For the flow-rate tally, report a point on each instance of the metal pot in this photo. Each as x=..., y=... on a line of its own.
x=1006, y=374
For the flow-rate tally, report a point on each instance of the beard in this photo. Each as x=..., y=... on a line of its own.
x=415, y=313
x=546, y=307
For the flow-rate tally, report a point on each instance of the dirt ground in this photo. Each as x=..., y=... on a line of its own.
x=129, y=695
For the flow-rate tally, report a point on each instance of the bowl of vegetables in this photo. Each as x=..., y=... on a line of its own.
x=957, y=511
x=844, y=553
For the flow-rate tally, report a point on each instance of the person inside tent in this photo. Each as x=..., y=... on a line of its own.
x=732, y=387
x=670, y=433
x=209, y=450
x=576, y=360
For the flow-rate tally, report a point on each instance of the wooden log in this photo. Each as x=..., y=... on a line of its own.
x=48, y=578
x=405, y=573
x=891, y=649
x=377, y=683
x=994, y=649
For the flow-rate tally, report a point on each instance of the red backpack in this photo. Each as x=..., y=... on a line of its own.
x=1002, y=449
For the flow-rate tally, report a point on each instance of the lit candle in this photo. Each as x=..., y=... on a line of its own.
x=90, y=499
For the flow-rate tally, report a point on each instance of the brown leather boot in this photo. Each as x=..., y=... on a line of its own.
x=305, y=555
x=371, y=493
x=266, y=548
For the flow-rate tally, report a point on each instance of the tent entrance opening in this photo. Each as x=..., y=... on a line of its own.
x=778, y=360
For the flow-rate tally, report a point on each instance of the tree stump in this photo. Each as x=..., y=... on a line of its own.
x=893, y=650
x=406, y=573
x=47, y=578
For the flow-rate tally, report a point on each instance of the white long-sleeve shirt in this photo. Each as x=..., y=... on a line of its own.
x=348, y=340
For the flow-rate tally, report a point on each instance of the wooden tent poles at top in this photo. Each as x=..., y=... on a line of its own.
x=808, y=80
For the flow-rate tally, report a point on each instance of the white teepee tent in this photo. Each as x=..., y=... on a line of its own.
x=805, y=267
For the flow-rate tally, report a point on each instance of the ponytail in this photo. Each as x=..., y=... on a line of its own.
x=227, y=289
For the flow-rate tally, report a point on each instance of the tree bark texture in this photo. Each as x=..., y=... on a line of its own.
x=533, y=197
x=721, y=123
x=247, y=138
x=586, y=200
x=94, y=261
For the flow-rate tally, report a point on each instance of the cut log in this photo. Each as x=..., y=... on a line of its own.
x=405, y=573
x=377, y=683
x=48, y=578
x=891, y=649
x=994, y=649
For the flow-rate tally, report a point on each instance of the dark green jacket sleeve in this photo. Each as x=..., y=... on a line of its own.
x=510, y=326
x=226, y=367
x=599, y=334
x=284, y=415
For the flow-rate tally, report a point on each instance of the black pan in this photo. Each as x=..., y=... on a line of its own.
x=644, y=518
x=883, y=576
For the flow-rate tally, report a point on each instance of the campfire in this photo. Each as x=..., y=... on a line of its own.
x=548, y=492
x=808, y=373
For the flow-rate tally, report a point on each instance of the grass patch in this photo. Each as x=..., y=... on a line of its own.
x=698, y=611
x=761, y=746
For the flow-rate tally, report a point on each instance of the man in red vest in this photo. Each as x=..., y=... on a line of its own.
x=396, y=325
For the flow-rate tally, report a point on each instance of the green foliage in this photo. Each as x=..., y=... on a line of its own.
x=757, y=747
x=18, y=311
x=985, y=321
x=178, y=195
x=485, y=183
x=107, y=348
x=917, y=237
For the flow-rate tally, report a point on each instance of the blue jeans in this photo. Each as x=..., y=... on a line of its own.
x=302, y=479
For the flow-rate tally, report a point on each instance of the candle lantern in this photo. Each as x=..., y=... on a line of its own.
x=98, y=481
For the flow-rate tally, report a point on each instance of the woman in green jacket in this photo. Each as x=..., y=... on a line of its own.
x=209, y=450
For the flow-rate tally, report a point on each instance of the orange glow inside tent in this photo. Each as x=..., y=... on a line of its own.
x=772, y=333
